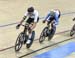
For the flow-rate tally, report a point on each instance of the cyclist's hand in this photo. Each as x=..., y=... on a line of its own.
x=44, y=21
x=73, y=19
x=17, y=27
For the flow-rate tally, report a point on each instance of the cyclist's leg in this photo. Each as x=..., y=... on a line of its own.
x=52, y=31
x=48, y=25
x=53, y=27
x=29, y=20
x=32, y=26
x=29, y=35
x=30, y=31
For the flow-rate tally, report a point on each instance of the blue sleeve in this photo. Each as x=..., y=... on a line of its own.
x=56, y=19
x=47, y=16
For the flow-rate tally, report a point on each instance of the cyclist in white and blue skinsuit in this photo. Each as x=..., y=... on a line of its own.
x=52, y=15
x=52, y=18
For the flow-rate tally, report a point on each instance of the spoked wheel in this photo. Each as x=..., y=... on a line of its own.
x=19, y=42
x=72, y=32
x=32, y=39
x=43, y=35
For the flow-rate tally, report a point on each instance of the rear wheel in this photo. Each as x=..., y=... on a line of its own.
x=72, y=32
x=50, y=36
x=52, y=32
x=32, y=39
x=18, y=43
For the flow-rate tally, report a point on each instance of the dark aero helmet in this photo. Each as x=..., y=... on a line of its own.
x=30, y=9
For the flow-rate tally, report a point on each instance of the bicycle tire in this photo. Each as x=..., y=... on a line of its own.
x=18, y=43
x=42, y=37
x=72, y=32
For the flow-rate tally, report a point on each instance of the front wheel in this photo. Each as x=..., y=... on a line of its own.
x=18, y=43
x=43, y=35
x=32, y=39
x=72, y=32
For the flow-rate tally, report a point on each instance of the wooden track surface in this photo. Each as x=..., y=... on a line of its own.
x=13, y=10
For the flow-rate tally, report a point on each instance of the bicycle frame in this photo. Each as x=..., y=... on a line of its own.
x=26, y=28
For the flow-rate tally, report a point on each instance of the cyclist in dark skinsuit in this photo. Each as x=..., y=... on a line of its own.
x=32, y=20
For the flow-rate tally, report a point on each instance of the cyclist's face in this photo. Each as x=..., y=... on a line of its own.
x=30, y=12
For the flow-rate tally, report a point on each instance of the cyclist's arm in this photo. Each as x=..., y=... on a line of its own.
x=25, y=16
x=22, y=20
x=47, y=17
x=56, y=19
x=74, y=19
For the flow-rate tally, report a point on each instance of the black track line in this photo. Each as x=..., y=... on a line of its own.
x=34, y=40
x=46, y=47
